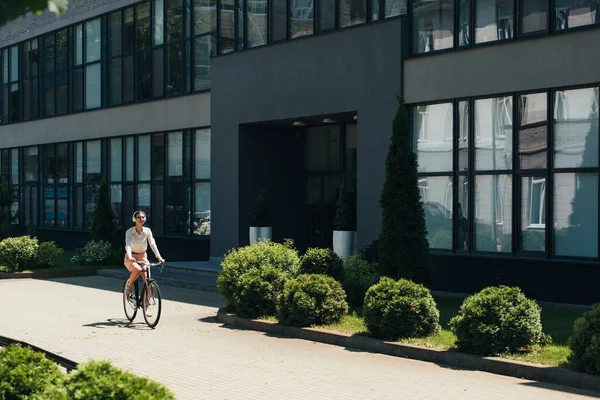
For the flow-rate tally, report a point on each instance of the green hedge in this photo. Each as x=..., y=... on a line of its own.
x=18, y=253
x=359, y=276
x=322, y=261
x=585, y=342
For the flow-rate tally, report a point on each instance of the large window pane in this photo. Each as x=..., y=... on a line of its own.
x=175, y=155
x=115, y=36
x=31, y=164
x=534, y=16
x=15, y=103
x=79, y=162
x=202, y=154
x=62, y=163
x=226, y=28
x=61, y=50
x=493, y=134
x=392, y=8
x=352, y=12
x=158, y=156
x=176, y=211
x=91, y=201
x=50, y=164
x=93, y=160
x=116, y=160
x=143, y=24
x=116, y=201
x=436, y=194
x=464, y=22
x=5, y=66
x=158, y=72
x=158, y=208
x=301, y=18
x=533, y=213
x=159, y=25
x=49, y=53
x=463, y=136
x=533, y=130
x=92, y=86
x=432, y=136
x=78, y=44
x=493, y=213
x=205, y=16
x=114, y=77
x=174, y=19
x=576, y=215
x=463, y=213
x=278, y=20
x=92, y=40
x=433, y=25
x=129, y=160
x=326, y=16
x=62, y=212
x=144, y=202
x=494, y=20
x=78, y=89
x=143, y=172
x=202, y=209
x=175, y=69
x=205, y=48
x=576, y=128
x=128, y=80
x=574, y=13
x=14, y=166
x=14, y=63
x=144, y=72
x=257, y=22
x=129, y=32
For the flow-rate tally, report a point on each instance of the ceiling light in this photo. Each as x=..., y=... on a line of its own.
x=328, y=121
x=299, y=123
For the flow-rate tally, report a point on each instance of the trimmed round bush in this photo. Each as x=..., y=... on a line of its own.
x=25, y=372
x=101, y=380
x=47, y=253
x=585, y=342
x=252, y=277
x=400, y=309
x=359, y=276
x=322, y=261
x=312, y=299
x=497, y=320
x=18, y=253
x=96, y=252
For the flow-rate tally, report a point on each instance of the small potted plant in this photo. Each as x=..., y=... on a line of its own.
x=260, y=219
x=344, y=235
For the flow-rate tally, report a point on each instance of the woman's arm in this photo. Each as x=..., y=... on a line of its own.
x=153, y=246
x=128, y=244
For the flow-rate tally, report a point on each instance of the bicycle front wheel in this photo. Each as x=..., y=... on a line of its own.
x=152, y=304
x=130, y=303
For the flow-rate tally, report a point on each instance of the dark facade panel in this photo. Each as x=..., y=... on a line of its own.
x=357, y=71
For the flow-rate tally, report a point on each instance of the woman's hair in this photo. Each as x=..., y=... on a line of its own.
x=135, y=214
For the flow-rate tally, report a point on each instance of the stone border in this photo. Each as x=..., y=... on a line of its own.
x=495, y=365
x=63, y=362
x=57, y=273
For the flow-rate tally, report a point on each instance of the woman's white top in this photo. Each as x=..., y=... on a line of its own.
x=138, y=242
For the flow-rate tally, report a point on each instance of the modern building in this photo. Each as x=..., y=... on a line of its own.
x=189, y=108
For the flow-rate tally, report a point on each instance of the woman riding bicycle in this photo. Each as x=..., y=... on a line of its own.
x=137, y=239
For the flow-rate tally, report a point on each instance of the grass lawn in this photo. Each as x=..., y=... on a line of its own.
x=557, y=321
x=64, y=262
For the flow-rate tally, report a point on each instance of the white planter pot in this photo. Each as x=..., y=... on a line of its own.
x=260, y=232
x=344, y=243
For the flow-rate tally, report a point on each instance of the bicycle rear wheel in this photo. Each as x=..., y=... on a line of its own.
x=130, y=303
x=152, y=303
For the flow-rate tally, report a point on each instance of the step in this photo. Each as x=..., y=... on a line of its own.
x=198, y=268
x=170, y=277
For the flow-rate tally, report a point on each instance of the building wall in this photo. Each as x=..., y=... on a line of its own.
x=176, y=113
x=354, y=70
x=560, y=60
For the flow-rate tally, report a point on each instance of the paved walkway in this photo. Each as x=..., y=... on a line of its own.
x=197, y=358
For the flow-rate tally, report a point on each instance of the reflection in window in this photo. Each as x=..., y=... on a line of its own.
x=493, y=134
x=205, y=16
x=576, y=128
x=31, y=164
x=93, y=162
x=494, y=20
x=574, y=13
x=278, y=20
x=464, y=18
x=493, y=208
x=205, y=48
x=226, y=26
x=463, y=213
x=144, y=201
x=92, y=86
x=533, y=213
x=257, y=22
x=392, y=8
x=576, y=214
x=175, y=154
x=326, y=15
x=463, y=135
x=534, y=15
x=159, y=22
x=301, y=18
x=201, y=222
x=92, y=40
x=533, y=130
x=433, y=23
x=116, y=160
x=437, y=205
x=143, y=171
x=352, y=12
x=116, y=201
x=432, y=129
x=202, y=154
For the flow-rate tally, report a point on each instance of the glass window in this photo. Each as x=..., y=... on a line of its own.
x=61, y=50
x=144, y=35
x=493, y=213
x=392, y=8
x=50, y=164
x=432, y=136
x=576, y=214
x=351, y=147
x=175, y=155
x=205, y=47
x=464, y=18
x=257, y=22
x=78, y=207
x=79, y=162
x=14, y=166
x=205, y=16
x=177, y=209
x=159, y=22
x=143, y=153
x=226, y=26
x=494, y=20
x=174, y=19
x=14, y=63
x=158, y=72
x=31, y=164
x=240, y=23
x=463, y=213
x=202, y=154
x=144, y=75
x=92, y=40
x=115, y=35
x=175, y=69
x=533, y=130
x=576, y=128
x=79, y=44
x=352, y=12
x=278, y=20
x=92, y=86
x=493, y=134
x=158, y=156
x=116, y=160
x=533, y=213
x=433, y=25
x=301, y=18
x=129, y=32
x=77, y=89
x=93, y=160
x=49, y=52
x=534, y=16
x=463, y=136
x=128, y=80
x=144, y=200
x=114, y=78
x=201, y=224
x=574, y=13
x=62, y=163
x=5, y=66
x=436, y=195
x=15, y=103
x=91, y=201
x=116, y=201
x=129, y=159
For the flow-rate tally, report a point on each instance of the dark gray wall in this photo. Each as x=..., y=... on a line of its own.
x=357, y=69
x=559, y=60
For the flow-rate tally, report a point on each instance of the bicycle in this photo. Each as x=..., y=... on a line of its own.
x=149, y=299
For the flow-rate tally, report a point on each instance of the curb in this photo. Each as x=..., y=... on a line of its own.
x=61, y=273
x=63, y=362
x=495, y=365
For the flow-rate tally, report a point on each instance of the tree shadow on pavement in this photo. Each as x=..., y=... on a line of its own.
x=119, y=323
x=181, y=295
